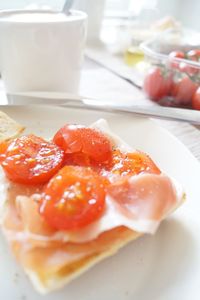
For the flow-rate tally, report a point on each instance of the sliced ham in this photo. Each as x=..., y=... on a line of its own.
x=144, y=197
x=138, y=203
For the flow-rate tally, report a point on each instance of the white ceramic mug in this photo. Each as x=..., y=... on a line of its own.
x=41, y=50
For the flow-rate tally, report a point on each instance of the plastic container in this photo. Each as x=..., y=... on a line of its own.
x=170, y=80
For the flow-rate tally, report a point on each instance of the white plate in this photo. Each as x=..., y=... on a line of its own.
x=165, y=266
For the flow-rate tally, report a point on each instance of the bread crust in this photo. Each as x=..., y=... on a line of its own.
x=9, y=128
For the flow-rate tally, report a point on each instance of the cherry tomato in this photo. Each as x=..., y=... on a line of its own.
x=183, y=90
x=156, y=85
x=186, y=68
x=32, y=160
x=83, y=145
x=194, y=55
x=3, y=148
x=196, y=100
x=73, y=198
x=132, y=163
x=78, y=159
x=176, y=54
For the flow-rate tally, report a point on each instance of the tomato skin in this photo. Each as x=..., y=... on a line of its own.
x=188, y=69
x=31, y=160
x=3, y=147
x=196, y=100
x=83, y=145
x=67, y=137
x=183, y=90
x=194, y=55
x=73, y=198
x=156, y=85
x=132, y=163
x=176, y=54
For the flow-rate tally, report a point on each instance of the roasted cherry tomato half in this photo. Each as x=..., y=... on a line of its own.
x=73, y=198
x=132, y=163
x=31, y=160
x=196, y=100
x=83, y=145
x=3, y=147
x=157, y=84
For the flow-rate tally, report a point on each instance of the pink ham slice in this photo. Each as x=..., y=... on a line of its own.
x=138, y=203
x=144, y=197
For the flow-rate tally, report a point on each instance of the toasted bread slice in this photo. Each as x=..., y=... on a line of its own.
x=55, y=280
x=47, y=280
x=71, y=271
x=8, y=127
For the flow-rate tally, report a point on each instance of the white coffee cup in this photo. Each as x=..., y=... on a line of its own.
x=41, y=50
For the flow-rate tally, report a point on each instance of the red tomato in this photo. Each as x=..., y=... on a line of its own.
x=132, y=163
x=196, y=99
x=176, y=54
x=32, y=160
x=83, y=145
x=186, y=68
x=156, y=85
x=183, y=90
x=73, y=198
x=3, y=148
x=194, y=55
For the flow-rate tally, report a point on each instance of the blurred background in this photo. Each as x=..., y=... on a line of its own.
x=186, y=11
x=141, y=40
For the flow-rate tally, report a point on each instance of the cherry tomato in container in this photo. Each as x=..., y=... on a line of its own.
x=176, y=54
x=194, y=55
x=196, y=99
x=183, y=90
x=157, y=84
x=188, y=69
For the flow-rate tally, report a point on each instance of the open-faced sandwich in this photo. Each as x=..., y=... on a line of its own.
x=72, y=201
